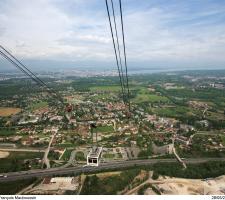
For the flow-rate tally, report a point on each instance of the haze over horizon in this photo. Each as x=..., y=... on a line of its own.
x=55, y=34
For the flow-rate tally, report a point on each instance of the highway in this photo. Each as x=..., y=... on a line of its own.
x=22, y=150
x=41, y=173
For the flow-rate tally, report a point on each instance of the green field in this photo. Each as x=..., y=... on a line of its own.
x=152, y=98
x=65, y=145
x=14, y=162
x=203, y=94
x=11, y=188
x=223, y=140
x=119, y=155
x=101, y=96
x=144, y=95
x=172, y=111
x=111, y=88
x=105, y=129
x=38, y=105
x=80, y=156
x=108, y=155
x=215, y=116
x=7, y=132
x=66, y=155
x=110, y=184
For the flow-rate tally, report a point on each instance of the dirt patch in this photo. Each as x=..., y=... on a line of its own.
x=5, y=112
x=142, y=175
x=107, y=174
x=4, y=154
x=212, y=186
x=180, y=185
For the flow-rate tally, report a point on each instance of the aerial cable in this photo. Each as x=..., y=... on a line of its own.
x=114, y=46
x=118, y=47
x=32, y=74
x=25, y=72
x=17, y=65
x=124, y=51
x=25, y=67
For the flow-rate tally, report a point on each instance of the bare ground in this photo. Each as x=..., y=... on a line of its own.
x=181, y=186
x=4, y=154
x=7, y=111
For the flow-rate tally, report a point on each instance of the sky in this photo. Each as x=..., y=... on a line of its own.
x=75, y=33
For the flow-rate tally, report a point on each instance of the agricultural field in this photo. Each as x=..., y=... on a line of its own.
x=151, y=98
x=110, y=88
x=144, y=95
x=108, y=184
x=114, y=88
x=108, y=155
x=66, y=155
x=80, y=156
x=105, y=129
x=175, y=111
x=11, y=188
x=5, y=112
x=65, y=145
x=38, y=105
x=15, y=161
x=7, y=132
x=215, y=115
x=223, y=140
x=74, y=99
x=210, y=95
x=101, y=96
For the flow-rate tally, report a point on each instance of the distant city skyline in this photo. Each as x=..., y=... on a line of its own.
x=75, y=33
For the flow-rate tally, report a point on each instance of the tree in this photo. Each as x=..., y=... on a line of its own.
x=155, y=175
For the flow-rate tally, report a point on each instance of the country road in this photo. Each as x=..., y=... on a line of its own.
x=45, y=158
x=41, y=173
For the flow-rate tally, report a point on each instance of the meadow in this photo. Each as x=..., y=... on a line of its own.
x=38, y=105
x=14, y=162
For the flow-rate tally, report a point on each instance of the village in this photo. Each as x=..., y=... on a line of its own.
x=143, y=135
x=38, y=132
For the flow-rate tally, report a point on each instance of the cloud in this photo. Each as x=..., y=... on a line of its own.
x=169, y=32
x=174, y=36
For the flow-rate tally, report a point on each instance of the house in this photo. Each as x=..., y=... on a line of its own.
x=182, y=140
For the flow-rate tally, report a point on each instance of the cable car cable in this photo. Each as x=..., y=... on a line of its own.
x=55, y=95
x=124, y=51
x=114, y=46
x=42, y=82
x=118, y=48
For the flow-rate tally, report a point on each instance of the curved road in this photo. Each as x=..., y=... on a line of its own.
x=41, y=173
x=45, y=158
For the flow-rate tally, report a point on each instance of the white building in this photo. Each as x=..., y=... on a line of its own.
x=94, y=156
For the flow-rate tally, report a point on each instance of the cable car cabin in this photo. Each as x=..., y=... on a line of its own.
x=128, y=114
x=94, y=156
x=69, y=108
